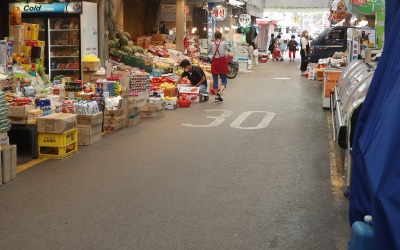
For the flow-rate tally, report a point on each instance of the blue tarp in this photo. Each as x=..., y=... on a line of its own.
x=375, y=182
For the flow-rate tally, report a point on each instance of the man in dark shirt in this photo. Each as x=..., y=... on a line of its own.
x=195, y=74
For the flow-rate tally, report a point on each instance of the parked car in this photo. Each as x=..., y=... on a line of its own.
x=331, y=40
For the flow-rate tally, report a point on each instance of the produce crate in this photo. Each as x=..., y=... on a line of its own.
x=152, y=114
x=90, y=66
x=58, y=140
x=58, y=152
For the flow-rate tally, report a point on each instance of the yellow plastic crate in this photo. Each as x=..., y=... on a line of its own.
x=58, y=152
x=58, y=140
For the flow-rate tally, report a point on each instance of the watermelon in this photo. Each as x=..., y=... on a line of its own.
x=127, y=49
x=123, y=40
x=127, y=35
x=119, y=34
x=111, y=44
x=130, y=43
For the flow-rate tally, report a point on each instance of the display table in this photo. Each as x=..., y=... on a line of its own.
x=24, y=135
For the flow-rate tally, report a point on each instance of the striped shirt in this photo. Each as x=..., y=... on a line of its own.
x=222, y=49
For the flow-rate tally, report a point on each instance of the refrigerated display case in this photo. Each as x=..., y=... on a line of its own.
x=64, y=47
x=346, y=103
x=69, y=30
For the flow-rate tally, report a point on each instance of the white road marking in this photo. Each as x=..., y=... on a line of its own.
x=218, y=119
x=263, y=124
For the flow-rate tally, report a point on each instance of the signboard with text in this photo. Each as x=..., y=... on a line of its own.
x=219, y=13
x=71, y=7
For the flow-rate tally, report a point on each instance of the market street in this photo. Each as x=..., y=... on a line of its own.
x=185, y=181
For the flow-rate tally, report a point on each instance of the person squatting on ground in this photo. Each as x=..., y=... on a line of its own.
x=305, y=48
x=219, y=64
x=195, y=74
x=292, y=45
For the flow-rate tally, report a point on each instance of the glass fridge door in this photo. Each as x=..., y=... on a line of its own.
x=64, y=48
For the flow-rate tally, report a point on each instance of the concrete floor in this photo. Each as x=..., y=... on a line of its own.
x=163, y=185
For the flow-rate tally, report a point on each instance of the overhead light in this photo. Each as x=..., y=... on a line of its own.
x=235, y=2
x=218, y=6
x=205, y=28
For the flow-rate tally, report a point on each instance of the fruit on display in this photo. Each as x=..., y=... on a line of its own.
x=169, y=98
x=167, y=85
x=185, y=81
x=90, y=58
x=122, y=43
x=162, y=65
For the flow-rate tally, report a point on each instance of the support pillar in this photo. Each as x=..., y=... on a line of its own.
x=180, y=24
x=103, y=34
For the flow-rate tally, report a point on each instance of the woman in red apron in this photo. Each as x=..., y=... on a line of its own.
x=219, y=64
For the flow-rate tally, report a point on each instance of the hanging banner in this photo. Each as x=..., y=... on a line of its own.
x=71, y=7
x=370, y=7
x=339, y=11
x=219, y=13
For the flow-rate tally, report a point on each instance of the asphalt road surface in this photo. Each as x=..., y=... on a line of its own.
x=212, y=176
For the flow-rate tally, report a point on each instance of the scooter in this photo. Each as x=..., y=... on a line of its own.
x=233, y=66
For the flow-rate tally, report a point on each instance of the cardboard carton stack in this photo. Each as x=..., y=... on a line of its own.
x=89, y=128
x=57, y=135
x=25, y=40
x=19, y=114
x=154, y=107
x=8, y=163
x=132, y=112
x=158, y=39
x=114, y=120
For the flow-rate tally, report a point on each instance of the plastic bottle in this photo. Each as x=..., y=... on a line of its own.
x=362, y=235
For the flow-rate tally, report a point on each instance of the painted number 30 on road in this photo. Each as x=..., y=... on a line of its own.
x=237, y=123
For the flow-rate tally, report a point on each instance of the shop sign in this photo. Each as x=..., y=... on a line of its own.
x=219, y=13
x=370, y=7
x=245, y=20
x=71, y=7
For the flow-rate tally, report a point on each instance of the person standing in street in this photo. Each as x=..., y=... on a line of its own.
x=292, y=46
x=272, y=44
x=219, y=64
x=281, y=46
x=305, y=47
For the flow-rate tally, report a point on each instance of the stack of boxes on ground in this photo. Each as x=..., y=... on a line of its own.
x=90, y=123
x=8, y=153
x=57, y=135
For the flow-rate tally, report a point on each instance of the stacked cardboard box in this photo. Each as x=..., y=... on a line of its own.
x=8, y=163
x=114, y=120
x=154, y=107
x=89, y=129
x=158, y=39
x=19, y=114
x=132, y=113
x=57, y=135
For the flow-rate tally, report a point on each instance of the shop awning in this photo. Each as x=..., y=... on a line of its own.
x=375, y=182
